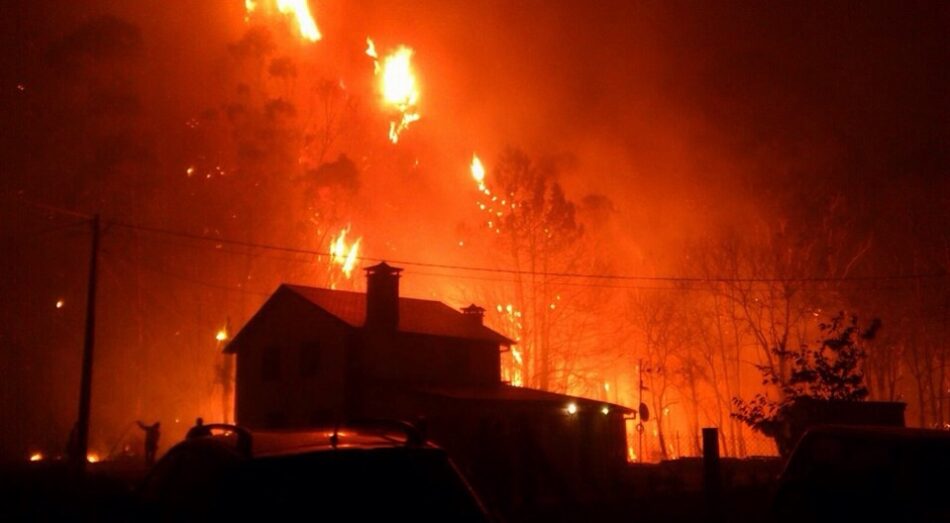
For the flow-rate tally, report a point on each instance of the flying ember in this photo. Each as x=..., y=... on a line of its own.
x=478, y=172
x=371, y=52
x=299, y=9
x=398, y=86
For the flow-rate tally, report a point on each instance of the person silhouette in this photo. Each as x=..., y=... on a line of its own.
x=199, y=430
x=152, y=433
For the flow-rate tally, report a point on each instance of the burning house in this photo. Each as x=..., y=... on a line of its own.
x=312, y=357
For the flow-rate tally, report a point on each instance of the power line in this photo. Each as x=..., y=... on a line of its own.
x=28, y=236
x=515, y=272
x=217, y=248
x=54, y=209
x=519, y=272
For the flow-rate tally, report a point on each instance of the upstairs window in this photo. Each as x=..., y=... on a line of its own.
x=309, y=360
x=270, y=364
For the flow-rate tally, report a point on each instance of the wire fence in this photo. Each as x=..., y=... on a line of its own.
x=648, y=448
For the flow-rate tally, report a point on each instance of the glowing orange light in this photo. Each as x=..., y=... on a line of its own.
x=478, y=172
x=298, y=9
x=371, y=52
x=572, y=408
x=221, y=335
x=36, y=456
x=399, y=86
x=344, y=255
x=60, y=303
x=93, y=457
x=605, y=410
x=399, y=83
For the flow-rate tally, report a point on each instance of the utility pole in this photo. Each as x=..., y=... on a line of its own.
x=640, y=409
x=85, y=387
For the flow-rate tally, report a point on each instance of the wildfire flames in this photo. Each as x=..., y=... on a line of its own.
x=512, y=369
x=299, y=9
x=344, y=255
x=398, y=85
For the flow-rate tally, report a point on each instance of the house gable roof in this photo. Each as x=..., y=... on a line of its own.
x=416, y=316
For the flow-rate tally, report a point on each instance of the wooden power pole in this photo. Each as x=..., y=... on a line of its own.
x=85, y=387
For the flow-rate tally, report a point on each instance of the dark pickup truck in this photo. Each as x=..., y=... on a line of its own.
x=853, y=473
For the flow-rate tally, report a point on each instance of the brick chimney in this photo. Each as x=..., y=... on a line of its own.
x=382, y=297
x=474, y=313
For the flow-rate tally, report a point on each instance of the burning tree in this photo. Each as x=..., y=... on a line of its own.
x=535, y=224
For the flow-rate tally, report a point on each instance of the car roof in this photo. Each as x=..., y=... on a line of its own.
x=372, y=434
x=863, y=436
x=272, y=443
x=874, y=432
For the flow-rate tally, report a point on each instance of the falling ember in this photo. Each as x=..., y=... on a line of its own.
x=572, y=408
x=371, y=52
x=494, y=206
x=92, y=457
x=60, y=303
x=398, y=85
x=478, y=172
x=221, y=335
x=299, y=9
x=344, y=255
x=36, y=456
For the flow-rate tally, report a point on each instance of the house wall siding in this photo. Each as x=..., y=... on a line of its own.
x=286, y=324
x=424, y=359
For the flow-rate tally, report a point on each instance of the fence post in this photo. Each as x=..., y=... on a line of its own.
x=712, y=476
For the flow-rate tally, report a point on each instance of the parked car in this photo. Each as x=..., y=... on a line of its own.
x=358, y=472
x=848, y=473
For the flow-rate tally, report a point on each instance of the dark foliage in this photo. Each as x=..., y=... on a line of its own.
x=832, y=370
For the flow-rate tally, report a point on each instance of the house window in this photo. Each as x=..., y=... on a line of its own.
x=458, y=363
x=309, y=360
x=270, y=364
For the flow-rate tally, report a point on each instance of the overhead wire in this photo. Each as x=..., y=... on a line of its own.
x=678, y=283
x=551, y=274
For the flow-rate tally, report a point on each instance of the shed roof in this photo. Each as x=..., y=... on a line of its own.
x=510, y=393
